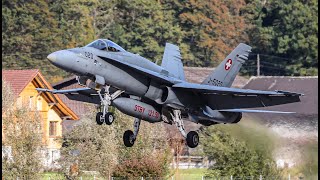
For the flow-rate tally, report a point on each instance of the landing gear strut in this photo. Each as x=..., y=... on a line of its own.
x=129, y=137
x=106, y=116
x=192, y=137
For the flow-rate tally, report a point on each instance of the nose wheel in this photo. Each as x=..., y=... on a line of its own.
x=108, y=118
x=99, y=118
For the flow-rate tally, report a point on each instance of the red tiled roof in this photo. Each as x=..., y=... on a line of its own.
x=18, y=79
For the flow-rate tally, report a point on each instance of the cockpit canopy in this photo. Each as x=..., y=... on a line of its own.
x=106, y=45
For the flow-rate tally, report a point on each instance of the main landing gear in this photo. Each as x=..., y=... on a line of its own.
x=192, y=137
x=105, y=116
x=129, y=137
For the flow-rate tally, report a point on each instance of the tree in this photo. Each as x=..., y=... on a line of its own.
x=32, y=30
x=287, y=31
x=28, y=35
x=101, y=149
x=21, y=130
x=149, y=157
x=141, y=27
x=212, y=28
x=233, y=157
x=95, y=150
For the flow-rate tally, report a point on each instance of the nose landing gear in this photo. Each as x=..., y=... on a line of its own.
x=106, y=116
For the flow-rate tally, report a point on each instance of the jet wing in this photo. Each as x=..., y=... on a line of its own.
x=171, y=61
x=220, y=98
x=79, y=94
x=225, y=90
x=162, y=77
x=87, y=91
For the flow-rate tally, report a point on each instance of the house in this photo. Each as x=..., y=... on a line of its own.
x=51, y=108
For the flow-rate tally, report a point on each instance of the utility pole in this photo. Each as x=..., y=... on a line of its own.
x=258, y=65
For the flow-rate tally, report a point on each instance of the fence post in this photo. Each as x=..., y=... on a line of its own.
x=260, y=177
x=202, y=178
x=231, y=177
x=289, y=177
x=94, y=177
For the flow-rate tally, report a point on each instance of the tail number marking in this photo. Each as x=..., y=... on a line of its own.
x=228, y=64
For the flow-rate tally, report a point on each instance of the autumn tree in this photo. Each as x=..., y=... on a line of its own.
x=213, y=28
x=21, y=130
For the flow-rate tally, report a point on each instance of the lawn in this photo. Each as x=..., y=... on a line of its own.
x=188, y=174
x=179, y=174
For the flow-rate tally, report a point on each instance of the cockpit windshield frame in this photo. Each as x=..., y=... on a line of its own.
x=106, y=45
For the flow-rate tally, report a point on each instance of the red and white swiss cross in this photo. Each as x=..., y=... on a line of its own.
x=228, y=64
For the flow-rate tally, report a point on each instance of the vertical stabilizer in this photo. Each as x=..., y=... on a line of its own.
x=171, y=61
x=228, y=69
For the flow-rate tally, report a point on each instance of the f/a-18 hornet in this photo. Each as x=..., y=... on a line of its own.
x=112, y=76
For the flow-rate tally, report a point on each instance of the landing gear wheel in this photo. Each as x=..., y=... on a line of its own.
x=109, y=118
x=128, y=138
x=99, y=118
x=192, y=139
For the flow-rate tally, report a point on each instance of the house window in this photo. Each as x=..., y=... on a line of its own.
x=53, y=128
x=30, y=102
x=39, y=104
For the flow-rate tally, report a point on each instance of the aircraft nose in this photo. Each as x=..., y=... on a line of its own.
x=52, y=57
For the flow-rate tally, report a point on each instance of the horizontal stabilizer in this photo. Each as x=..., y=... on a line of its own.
x=254, y=111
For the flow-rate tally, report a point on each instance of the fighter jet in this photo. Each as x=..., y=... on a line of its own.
x=112, y=76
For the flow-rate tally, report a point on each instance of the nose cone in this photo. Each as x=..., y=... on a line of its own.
x=52, y=57
x=64, y=59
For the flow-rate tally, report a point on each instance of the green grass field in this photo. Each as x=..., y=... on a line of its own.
x=179, y=174
x=188, y=174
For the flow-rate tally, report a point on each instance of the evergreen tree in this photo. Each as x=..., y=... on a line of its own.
x=287, y=31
